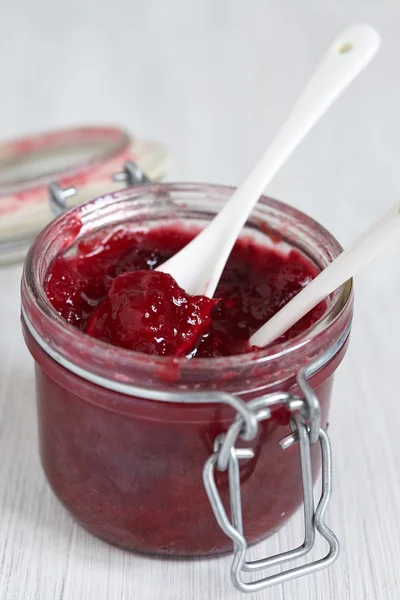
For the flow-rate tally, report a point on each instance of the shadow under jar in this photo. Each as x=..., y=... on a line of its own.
x=124, y=436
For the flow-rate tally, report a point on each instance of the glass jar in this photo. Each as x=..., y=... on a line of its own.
x=124, y=436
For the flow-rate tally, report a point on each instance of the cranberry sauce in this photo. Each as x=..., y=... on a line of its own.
x=148, y=312
x=104, y=288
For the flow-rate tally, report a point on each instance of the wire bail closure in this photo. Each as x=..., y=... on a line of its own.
x=305, y=423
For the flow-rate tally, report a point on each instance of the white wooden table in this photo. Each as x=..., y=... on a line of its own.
x=212, y=80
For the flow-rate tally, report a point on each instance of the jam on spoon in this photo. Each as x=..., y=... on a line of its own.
x=148, y=312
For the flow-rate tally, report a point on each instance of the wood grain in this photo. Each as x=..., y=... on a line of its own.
x=212, y=80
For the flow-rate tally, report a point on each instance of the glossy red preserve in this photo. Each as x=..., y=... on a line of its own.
x=108, y=288
x=124, y=435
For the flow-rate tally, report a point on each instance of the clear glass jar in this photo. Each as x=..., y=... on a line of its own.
x=122, y=443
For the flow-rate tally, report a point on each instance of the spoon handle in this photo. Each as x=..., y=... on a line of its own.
x=376, y=239
x=198, y=267
x=351, y=51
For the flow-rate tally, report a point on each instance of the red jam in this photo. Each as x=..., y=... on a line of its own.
x=148, y=312
x=129, y=466
x=108, y=288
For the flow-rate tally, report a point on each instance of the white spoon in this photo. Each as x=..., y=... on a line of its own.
x=198, y=267
x=376, y=239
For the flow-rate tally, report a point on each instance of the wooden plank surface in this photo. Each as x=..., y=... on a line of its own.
x=212, y=81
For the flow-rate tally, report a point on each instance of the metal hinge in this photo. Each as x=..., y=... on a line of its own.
x=131, y=174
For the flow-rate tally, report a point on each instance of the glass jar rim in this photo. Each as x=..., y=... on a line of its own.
x=40, y=314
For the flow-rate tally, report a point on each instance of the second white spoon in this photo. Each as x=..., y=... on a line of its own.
x=198, y=266
x=376, y=239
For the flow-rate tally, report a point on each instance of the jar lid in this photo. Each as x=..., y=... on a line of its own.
x=82, y=157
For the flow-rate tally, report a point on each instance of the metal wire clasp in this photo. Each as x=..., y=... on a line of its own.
x=131, y=174
x=306, y=430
